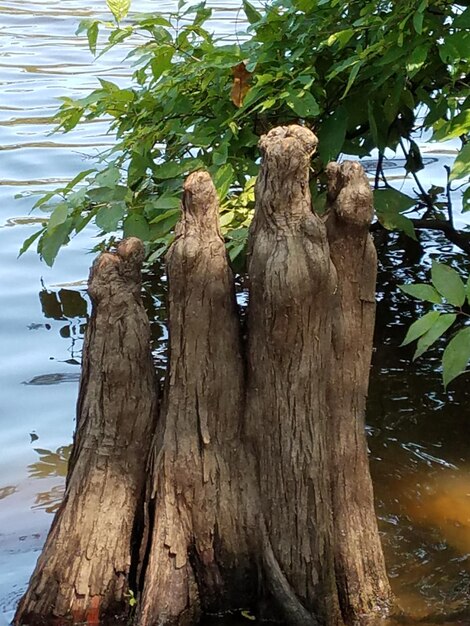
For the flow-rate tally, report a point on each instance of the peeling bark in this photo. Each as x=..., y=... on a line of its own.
x=199, y=559
x=360, y=570
x=292, y=285
x=84, y=569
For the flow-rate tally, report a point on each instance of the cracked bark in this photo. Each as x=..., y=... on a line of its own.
x=84, y=569
x=292, y=284
x=258, y=487
x=199, y=557
x=359, y=564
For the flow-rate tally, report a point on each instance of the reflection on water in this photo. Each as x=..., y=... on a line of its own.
x=50, y=463
x=420, y=453
x=54, y=379
x=7, y=491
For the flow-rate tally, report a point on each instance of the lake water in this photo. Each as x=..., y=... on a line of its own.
x=419, y=436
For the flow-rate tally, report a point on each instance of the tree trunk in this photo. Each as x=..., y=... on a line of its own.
x=84, y=571
x=199, y=558
x=292, y=285
x=360, y=569
x=258, y=488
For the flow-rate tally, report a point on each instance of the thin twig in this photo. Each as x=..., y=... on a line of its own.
x=449, y=197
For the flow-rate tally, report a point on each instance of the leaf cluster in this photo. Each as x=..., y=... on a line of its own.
x=363, y=74
x=450, y=297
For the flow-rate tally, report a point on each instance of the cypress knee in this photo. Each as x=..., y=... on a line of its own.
x=198, y=552
x=83, y=573
x=360, y=570
x=291, y=306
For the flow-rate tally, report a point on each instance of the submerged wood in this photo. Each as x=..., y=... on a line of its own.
x=198, y=554
x=83, y=573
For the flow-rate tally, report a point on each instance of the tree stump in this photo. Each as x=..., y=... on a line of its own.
x=199, y=559
x=258, y=490
x=83, y=573
x=292, y=284
x=360, y=569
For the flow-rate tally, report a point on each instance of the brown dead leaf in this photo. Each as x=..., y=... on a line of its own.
x=241, y=83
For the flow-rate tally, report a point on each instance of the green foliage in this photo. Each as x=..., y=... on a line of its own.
x=450, y=297
x=360, y=74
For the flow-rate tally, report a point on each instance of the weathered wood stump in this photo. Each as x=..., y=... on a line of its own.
x=83, y=572
x=292, y=293
x=258, y=491
x=359, y=564
x=199, y=558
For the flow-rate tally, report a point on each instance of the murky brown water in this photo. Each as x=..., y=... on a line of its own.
x=419, y=436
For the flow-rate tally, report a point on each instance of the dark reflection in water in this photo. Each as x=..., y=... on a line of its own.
x=54, y=379
x=420, y=452
x=418, y=435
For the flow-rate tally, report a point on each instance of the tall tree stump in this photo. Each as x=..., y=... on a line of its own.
x=199, y=558
x=292, y=284
x=310, y=327
x=258, y=482
x=84, y=569
x=360, y=569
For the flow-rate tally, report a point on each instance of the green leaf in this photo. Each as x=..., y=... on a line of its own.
x=108, y=217
x=457, y=126
x=166, y=202
x=136, y=225
x=51, y=241
x=78, y=178
x=91, y=27
x=352, y=77
x=392, y=200
x=108, y=177
x=418, y=18
x=332, y=134
x=251, y=13
x=421, y=326
x=461, y=166
x=119, y=8
x=29, y=241
x=456, y=356
x=223, y=179
x=162, y=61
x=304, y=105
x=417, y=59
x=448, y=283
x=92, y=36
x=170, y=169
x=439, y=327
x=58, y=216
x=422, y=292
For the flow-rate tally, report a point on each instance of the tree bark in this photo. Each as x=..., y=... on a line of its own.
x=361, y=578
x=258, y=487
x=292, y=284
x=199, y=556
x=84, y=571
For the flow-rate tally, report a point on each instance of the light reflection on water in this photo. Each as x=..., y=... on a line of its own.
x=418, y=436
